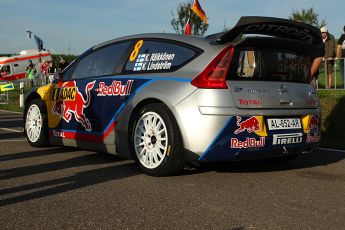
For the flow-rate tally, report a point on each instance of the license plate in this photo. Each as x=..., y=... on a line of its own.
x=284, y=123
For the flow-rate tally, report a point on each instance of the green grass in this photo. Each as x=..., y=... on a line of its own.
x=336, y=77
x=332, y=113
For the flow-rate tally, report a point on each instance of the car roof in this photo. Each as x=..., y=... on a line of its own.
x=198, y=41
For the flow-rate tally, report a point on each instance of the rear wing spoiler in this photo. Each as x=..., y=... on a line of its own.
x=276, y=27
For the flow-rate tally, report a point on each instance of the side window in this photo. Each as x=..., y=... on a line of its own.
x=100, y=62
x=158, y=56
x=68, y=72
x=5, y=70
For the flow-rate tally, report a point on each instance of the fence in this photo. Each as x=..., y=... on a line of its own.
x=3, y=95
x=338, y=75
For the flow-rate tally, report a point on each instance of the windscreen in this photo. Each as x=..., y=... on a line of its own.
x=269, y=65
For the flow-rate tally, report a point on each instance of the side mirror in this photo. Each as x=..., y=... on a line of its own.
x=57, y=76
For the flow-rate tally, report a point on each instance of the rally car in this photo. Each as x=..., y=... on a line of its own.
x=168, y=99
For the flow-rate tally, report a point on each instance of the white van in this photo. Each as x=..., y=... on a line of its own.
x=14, y=67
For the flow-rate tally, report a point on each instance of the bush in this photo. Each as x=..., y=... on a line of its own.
x=332, y=124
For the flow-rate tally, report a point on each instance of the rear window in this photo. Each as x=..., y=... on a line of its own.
x=269, y=65
x=158, y=56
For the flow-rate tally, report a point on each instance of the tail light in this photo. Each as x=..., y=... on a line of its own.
x=214, y=75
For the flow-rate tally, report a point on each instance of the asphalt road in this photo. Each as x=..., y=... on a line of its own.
x=66, y=188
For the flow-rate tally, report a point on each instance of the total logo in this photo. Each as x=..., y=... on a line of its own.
x=65, y=108
x=248, y=143
x=250, y=125
x=290, y=138
x=115, y=89
x=250, y=102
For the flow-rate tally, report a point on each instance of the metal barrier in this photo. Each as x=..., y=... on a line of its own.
x=338, y=76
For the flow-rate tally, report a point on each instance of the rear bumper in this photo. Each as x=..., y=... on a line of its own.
x=209, y=132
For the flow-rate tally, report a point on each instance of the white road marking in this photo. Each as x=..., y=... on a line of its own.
x=6, y=111
x=12, y=140
x=334, y=150
x=11, y=130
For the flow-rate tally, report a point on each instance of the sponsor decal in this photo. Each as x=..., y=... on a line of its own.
x=313, y=123
x=302, y=35
x=313, y=138
x=67, y=94
x=284, y=139
x=250, y=125
x=58, y=134
x=65, y=108
x=115, y=89
x=258, y=90
x=154, y=61
x=248, y=143
x=250, y=102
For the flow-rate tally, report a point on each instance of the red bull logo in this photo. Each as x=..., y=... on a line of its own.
x=69, y=100
x=250, y=125
x=248, y=143
x=313, y=123
x=115, y=89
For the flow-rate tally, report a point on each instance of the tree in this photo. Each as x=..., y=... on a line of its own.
x=309, y=16
x=183, y=11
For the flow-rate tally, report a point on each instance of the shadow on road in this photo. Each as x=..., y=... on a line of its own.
x=111, y=168
x=11, y=135
x=60, y=185
x=36, y=153
x=317, y=158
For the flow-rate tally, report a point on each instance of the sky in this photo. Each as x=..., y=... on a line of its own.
x=73, y=26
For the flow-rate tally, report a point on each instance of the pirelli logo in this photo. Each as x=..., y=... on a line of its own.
x=64, y=94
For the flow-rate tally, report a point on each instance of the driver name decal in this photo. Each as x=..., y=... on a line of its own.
x=154, y=61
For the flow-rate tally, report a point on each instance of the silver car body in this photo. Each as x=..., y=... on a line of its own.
x=208, y=119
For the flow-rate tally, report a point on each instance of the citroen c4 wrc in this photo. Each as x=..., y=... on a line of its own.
x=168, y=99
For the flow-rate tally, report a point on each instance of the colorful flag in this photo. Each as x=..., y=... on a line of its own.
x=39, y=43
x=199, y=11
x=188, y=28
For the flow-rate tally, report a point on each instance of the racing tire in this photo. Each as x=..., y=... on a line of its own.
x=155, y=141
x=35, y=124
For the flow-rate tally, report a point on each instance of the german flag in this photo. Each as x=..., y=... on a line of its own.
x=199, y=11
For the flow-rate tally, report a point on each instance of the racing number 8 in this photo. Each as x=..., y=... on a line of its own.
x=135, y=51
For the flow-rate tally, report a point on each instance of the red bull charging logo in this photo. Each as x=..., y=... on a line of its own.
x=313, y=123
x=115, y=89
x=250, y=125
x=69, y=100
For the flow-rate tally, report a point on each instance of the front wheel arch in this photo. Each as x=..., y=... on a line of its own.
x=43, y=139
x=174, y=160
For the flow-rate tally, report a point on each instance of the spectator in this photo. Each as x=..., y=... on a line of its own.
x=341, y=53
x=40, y=63
x=317, y=60
x=62, y=65
x=51, y=71
x=44, y=70
x=329, y=41
x=30, y=73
